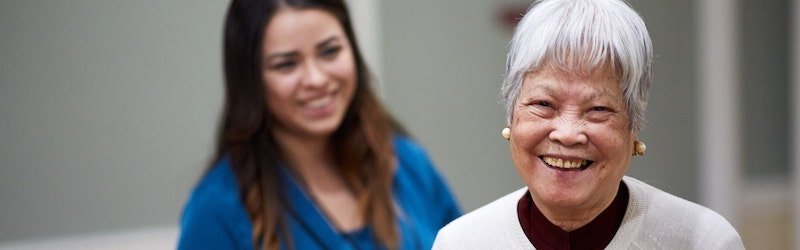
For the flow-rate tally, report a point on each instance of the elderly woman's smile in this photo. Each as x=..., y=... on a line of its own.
x=565, y=164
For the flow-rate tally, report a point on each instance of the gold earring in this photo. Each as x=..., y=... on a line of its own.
x=506, y=133
x=639, y=148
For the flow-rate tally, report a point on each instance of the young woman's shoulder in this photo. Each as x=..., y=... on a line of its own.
x=406, y=145
x=217, y=188
x=214, y=214
x=413, y=160
x=420, y=186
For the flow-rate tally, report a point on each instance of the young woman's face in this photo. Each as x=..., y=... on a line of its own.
x=570, y=139
x=308, y=71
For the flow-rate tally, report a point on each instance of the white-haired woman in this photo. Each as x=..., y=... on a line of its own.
x=577, y=80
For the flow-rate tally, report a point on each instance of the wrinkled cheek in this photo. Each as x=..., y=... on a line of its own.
x=520, y=160
x=519, y=150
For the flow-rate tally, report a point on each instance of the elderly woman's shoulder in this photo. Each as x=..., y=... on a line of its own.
x=492, y=226
x=656, y=200
x=674, y=221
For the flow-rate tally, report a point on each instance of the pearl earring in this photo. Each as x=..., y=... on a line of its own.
x=639, y=148
x=506, y=133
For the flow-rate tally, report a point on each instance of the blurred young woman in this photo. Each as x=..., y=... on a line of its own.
x=307, y=157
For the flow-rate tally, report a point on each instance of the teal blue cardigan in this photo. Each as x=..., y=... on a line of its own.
x=215, y=218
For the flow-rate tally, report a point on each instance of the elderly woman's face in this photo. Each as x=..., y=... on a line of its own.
x=570, y=140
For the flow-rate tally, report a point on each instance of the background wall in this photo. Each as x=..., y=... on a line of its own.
x=442, y=75
x=765, y=98
x=107, y=108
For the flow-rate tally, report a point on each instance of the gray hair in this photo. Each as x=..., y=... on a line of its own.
x=583, y=35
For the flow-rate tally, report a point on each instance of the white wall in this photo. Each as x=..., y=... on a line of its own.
x=106, y=112
x=795, y=116
x=443, y=62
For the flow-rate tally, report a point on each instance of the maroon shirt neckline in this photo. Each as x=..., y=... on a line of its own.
x=543, y=234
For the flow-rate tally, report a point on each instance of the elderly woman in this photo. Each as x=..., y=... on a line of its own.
x=575, y=92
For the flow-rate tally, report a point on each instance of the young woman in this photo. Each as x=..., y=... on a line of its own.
x=307, y=157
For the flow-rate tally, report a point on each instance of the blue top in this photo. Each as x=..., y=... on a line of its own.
x=215, y=216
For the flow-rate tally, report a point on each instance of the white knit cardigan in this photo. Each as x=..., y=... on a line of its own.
x=654, y=219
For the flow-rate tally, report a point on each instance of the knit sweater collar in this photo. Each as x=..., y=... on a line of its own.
x=543, y=234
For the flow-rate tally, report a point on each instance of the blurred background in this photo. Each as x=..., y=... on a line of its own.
x=108, y=108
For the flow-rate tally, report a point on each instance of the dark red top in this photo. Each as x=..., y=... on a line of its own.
x=543, y=234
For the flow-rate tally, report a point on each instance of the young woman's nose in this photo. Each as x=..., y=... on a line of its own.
x=314, y=75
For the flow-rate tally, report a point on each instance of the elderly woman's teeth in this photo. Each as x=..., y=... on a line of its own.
x=561, y=163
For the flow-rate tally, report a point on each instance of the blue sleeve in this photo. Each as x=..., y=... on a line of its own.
x=214, y=216
x=440, y=201
x=446, y=201
x=204, y=226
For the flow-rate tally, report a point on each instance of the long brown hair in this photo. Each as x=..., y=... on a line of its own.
x=363, y=142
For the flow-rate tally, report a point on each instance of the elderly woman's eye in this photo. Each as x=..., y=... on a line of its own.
x=601, y=109
x=542, y=103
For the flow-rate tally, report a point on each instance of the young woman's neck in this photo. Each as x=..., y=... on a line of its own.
x=312, y=159
x=305, y=153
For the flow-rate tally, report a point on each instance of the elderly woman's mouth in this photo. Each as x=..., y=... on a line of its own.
x=566, y=165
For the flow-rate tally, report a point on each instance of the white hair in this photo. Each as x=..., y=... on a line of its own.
x=581, y=36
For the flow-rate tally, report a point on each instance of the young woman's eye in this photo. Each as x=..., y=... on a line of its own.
x=284, y=66
x=330, y=52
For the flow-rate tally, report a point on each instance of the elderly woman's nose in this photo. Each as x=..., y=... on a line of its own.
x=569, y=133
